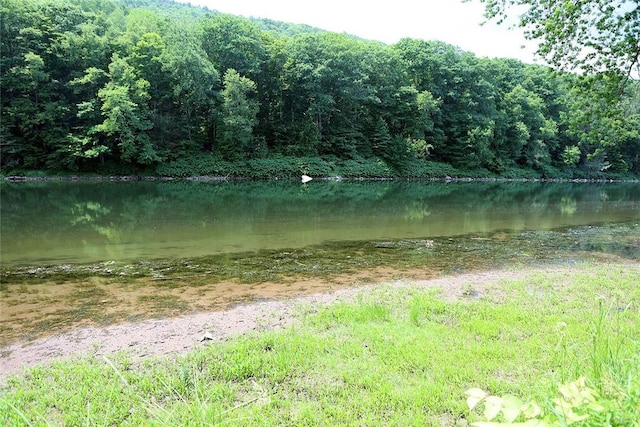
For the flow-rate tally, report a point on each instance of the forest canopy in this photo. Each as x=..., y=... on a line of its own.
x=157, y=87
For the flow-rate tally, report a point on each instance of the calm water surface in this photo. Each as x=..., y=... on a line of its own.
x=67, y=222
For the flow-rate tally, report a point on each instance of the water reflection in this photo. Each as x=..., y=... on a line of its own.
x=57, y=222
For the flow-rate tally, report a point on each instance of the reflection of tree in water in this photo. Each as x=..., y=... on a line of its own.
x=117, y=213
x=568, y=206
x=87, y=212
x=416, y=211
x=110, y=210
x=91, y=214
x=348, y=197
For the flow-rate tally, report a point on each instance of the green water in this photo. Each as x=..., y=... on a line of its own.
x=82, y=222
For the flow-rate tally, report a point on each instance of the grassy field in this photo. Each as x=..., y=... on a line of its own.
x=395, y=356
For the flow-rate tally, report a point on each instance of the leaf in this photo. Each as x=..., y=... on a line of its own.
x=492, y=407
x=511, y=408
x=529, y=423
x=572, y=417
x=596, y=407
x=534, y=423
x=475, y=396
x=531, y=410
x=570, y=391
x=562, y=405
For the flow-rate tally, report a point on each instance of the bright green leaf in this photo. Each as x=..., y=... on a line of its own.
x=475, y=396
x=492, y=407
x=511, y=408
x=531, y=410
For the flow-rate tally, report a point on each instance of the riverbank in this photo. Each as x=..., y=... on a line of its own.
x=134, y=178
x=160, y=336
x=206, y=167
x=398, y=352
x=154, y=337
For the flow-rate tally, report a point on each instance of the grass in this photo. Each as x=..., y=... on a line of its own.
x=391, y=356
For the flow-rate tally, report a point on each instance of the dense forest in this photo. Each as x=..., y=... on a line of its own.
x=160, y=88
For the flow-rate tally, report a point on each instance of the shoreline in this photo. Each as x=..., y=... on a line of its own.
x=205, y=178
x=145, y=339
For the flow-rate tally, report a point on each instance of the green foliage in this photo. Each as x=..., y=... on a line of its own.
x=278, y=167
x=600, y=39
x=138, y=83
x=419, y=148
x=578, y=405
x=239, y=112
x=232, y=42
x=275, y=167
x=123, y=100
x=593, y=35
x=571, y=155
x=202, y=164
x=361, y=168
x=607, y=394
x=430, y=169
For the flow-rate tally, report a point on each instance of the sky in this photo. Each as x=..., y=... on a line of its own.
x=450, y=21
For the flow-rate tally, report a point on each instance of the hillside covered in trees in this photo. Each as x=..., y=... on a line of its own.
x=157, y=87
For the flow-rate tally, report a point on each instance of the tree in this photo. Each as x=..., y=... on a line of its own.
x=27, y=110
x=608, y=137
x=194, y=92
x=126, y=120
x=590, y=35
x=239, y=110
x=326, y=94
x=233, y=42
x=530, y=132
x=464, y=121
x=34, y=68
x=133, y=83
x=82, y=145
x=599, y=41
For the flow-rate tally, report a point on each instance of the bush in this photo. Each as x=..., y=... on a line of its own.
x=201, y=164
x=429, y=169
x=365, y=168
x=271, y=168
x=318, y=166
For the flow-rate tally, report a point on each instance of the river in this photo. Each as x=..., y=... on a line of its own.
x=84, y=222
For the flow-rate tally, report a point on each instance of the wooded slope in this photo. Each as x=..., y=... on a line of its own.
x=138, y=85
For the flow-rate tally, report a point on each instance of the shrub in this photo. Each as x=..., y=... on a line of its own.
x=202, y=164
x=429, y=169
x=365, y=168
